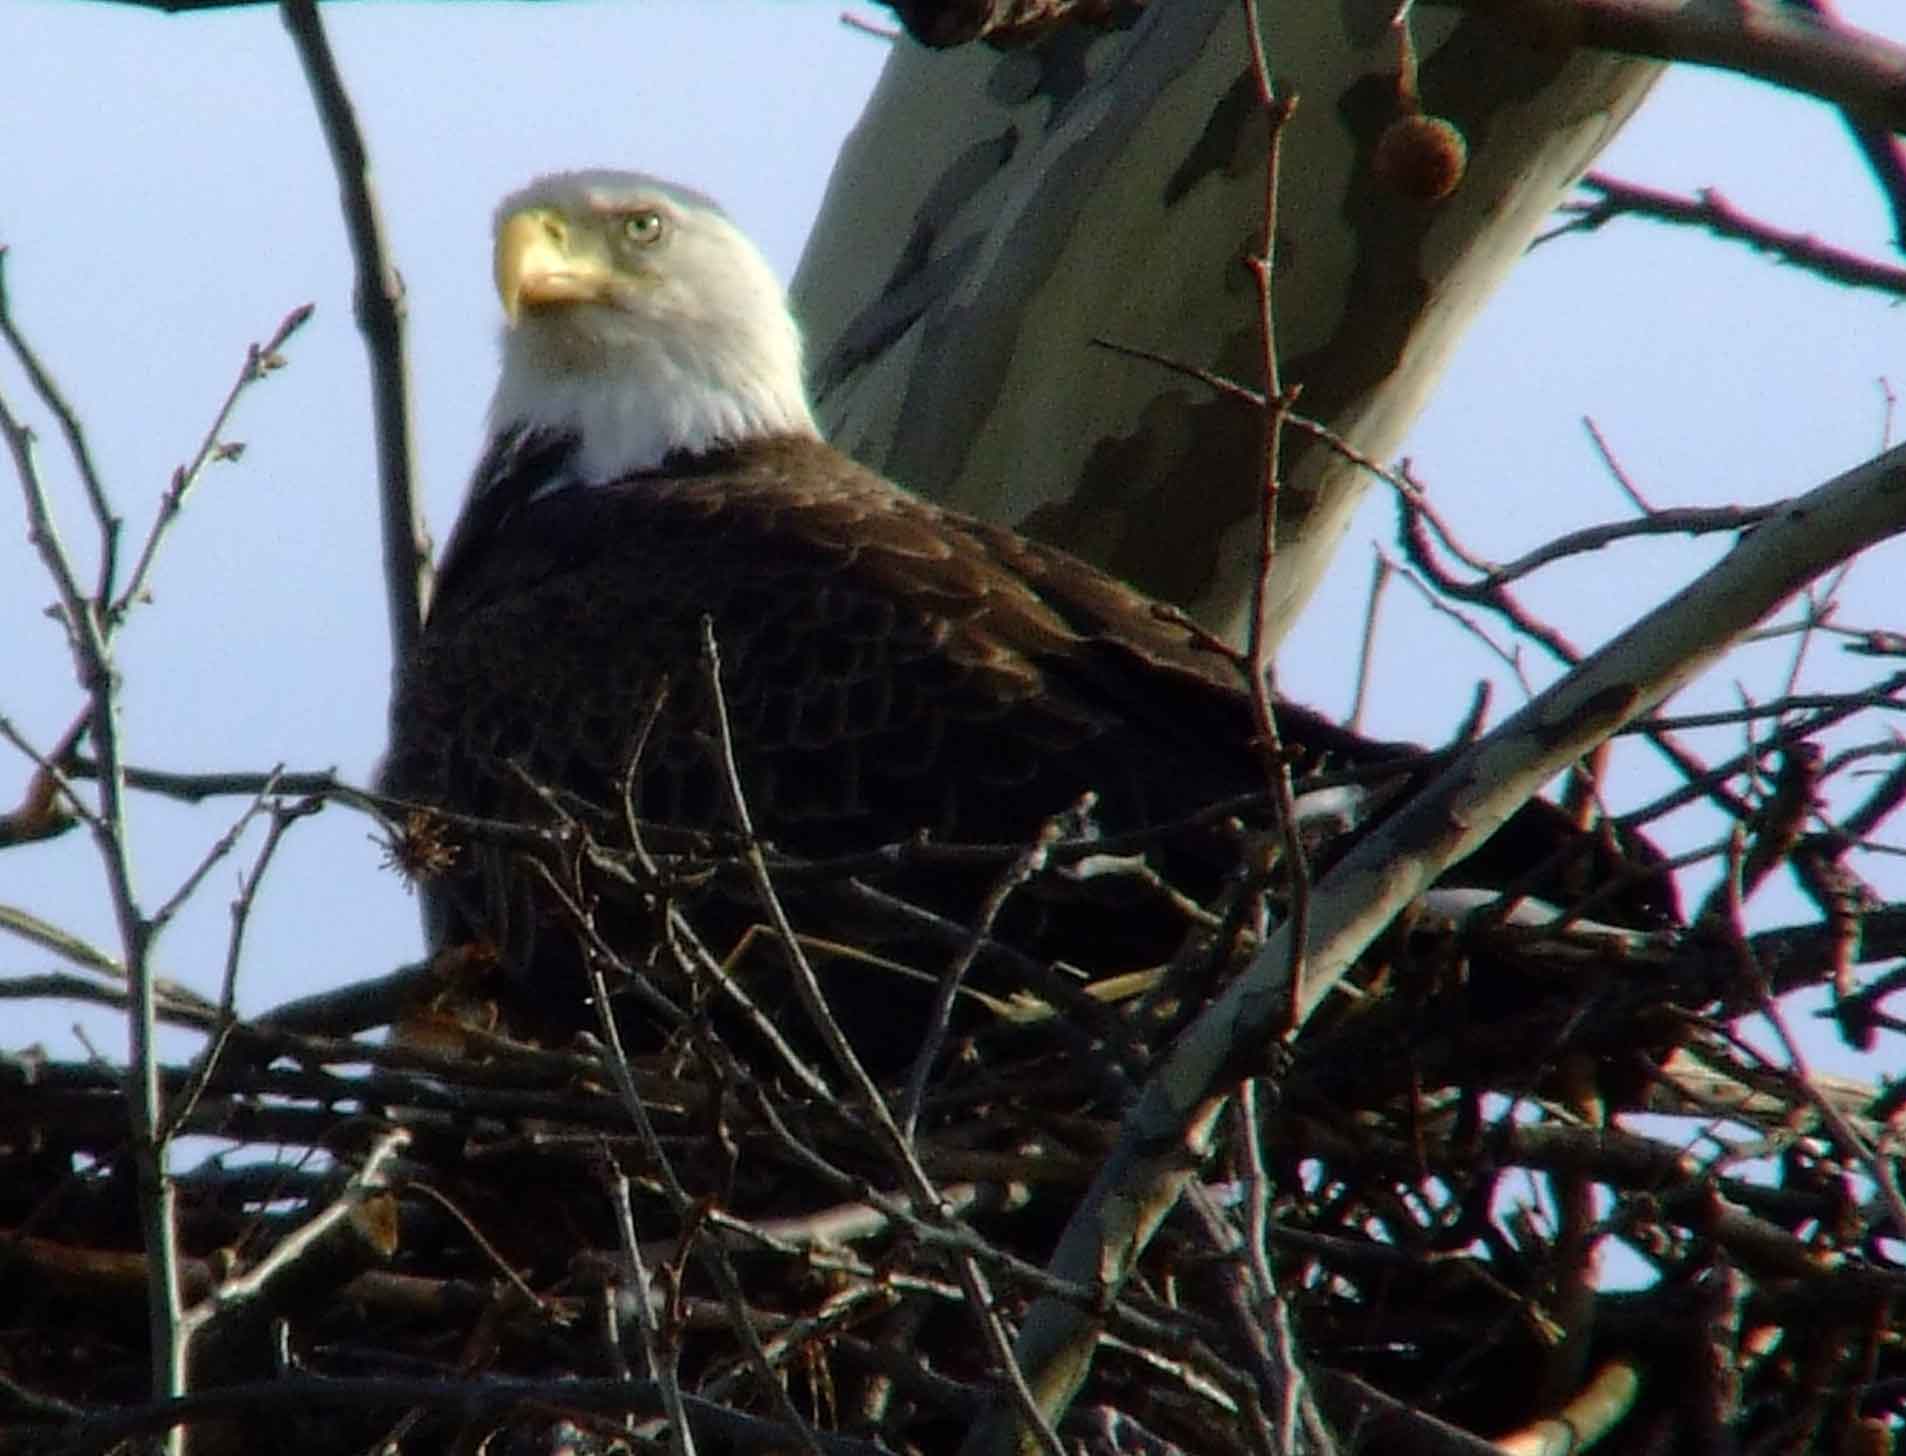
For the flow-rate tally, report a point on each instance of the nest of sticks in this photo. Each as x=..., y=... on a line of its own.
x=1516, y=1181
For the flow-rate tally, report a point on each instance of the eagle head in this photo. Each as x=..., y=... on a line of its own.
x=639, y=321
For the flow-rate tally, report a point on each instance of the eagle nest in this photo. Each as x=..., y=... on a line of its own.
x=1530, y=1182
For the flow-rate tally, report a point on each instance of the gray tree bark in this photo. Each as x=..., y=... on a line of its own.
x=996, y=211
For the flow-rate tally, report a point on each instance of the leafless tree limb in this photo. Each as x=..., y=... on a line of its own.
x=260, y=361
x=1853, y=69
x=379, y=306
x=1709, y=210
x=89, y=624
x=1173, y=1119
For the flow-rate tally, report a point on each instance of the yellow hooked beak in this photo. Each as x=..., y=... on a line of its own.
x=538, y=266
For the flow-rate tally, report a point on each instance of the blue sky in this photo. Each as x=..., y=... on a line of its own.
x=166, y=198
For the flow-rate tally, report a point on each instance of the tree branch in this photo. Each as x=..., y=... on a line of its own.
x=1710, y=210
x=1856, y=70
x=1169, y=1128
x=379, y=306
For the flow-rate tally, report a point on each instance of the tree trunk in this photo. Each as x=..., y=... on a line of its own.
x=995, y=212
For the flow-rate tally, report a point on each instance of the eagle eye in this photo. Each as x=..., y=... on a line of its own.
x=643, y=226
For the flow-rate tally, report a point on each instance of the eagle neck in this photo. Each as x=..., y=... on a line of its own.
x=631, y=422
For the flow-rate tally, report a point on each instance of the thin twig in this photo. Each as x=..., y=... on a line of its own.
x=659, y=1353
x=711, y=1255
x=1708, y=209
x=1413, y=509
x=50, y=395
x=1031, y=862
x=282, y=818
x=1294, y=419
x=1617, y=472
x=1885, y=696
x=218, y=850
x=260, y=361
x=899, y=1147
x=1278, y=110
x=807, y=984
x=1380, y=573
x=1880, y=1168
x=1432, y=597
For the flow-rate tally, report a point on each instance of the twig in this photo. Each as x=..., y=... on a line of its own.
x=233, y=1295
x=1412, y=509
x=1885, y=696
x=1243, y=394
x=282, y=818
x=296, y=1396
x=795, y=1335
x=1886, y=160
x=682, y=938
x=712, y=1256
x=61, y=942
x=64, y=986
x=1617, y=472
x=379, y=306
x=660, y=1355
x=1262, y=635
x=1266, y=1316
x=1880, y=1168
x=1384, y=1422
x=1433, y=597
x=219, y=848
x=899, y=1147
x=1676, y=521
x=1380, y=573
x=861, y=26
x=260, y=360
x=1817, y=606
x=49, y=394
x=1710, y=210
x=1030, y=862
x=807, y=984
x=1710, y=781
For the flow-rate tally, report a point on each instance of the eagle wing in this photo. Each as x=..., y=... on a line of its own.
x=887, y=667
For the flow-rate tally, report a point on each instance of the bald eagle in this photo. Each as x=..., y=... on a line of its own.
x=888, y=669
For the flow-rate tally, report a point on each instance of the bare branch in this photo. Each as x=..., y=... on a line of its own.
x=1708, y=209
x=260, y=361
x=216, y=851
x=659, y=1353
x=1171, y=1124
x=1853, y=69
x=1261, y=636
x=89, y=635
x=196, y=788
x=379, y=306
x=50, y=395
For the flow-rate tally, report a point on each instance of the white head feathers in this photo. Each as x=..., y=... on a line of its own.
x=642, y=321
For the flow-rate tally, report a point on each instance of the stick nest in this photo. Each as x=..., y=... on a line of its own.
x=1511, y=1177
